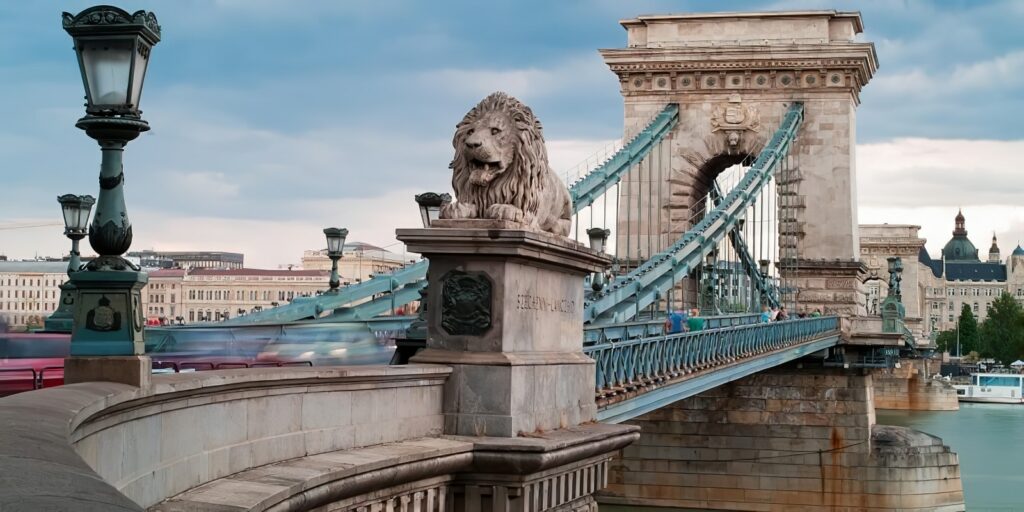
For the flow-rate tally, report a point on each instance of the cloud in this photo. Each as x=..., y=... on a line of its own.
x=939, y=172
x=926, y=181
x=525, y=83
x=265, y=115
x=201, y=186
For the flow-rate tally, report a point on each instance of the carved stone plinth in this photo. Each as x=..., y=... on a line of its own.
x=132, y=370
x=108, y=313
x=504, y=310
x=832, y=286
x=63, y=319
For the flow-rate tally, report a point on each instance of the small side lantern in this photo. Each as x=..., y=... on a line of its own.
x=335, y=245
x=430, y=204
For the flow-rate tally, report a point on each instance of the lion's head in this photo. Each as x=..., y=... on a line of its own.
x=499, y=154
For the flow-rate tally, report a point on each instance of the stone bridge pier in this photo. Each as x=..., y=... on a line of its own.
x=792, y=438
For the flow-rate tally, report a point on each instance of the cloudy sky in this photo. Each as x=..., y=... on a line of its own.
x=274, y=119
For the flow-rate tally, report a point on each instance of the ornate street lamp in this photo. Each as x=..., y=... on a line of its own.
x=430, y=204
x=710, y=280
x=335, y=245
x=76, y=225
x=763, y=268
x=598, y=240
x=113, y=53
x=113, y=49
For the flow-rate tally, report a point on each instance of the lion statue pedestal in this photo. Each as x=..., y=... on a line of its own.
x=505, y=312
x=505, y=307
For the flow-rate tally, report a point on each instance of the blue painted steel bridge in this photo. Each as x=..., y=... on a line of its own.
x=640, y=367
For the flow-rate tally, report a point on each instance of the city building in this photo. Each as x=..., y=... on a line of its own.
x=187, y=259
x=176, y=296
x=935, y=289
x=29, y=291
x=359, y=261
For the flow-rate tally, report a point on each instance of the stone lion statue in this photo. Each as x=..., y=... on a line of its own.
x=501, y=171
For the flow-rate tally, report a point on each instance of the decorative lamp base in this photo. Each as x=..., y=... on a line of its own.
x=63, y=319
x=108, y=313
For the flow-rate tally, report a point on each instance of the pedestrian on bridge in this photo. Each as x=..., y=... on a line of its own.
x=766, y=314
x=676, y=321
x=695, y=322
x=782, y=314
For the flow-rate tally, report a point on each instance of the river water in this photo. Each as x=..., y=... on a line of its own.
x=989, y=439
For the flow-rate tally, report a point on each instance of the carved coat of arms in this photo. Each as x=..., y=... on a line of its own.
x=465, y=303
x=735, y=116
x=734, y=119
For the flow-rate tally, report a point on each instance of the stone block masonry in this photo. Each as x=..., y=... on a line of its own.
x=791, y=438
x=909, y=389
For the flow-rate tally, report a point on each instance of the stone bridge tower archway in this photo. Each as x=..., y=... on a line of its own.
x=734, y=75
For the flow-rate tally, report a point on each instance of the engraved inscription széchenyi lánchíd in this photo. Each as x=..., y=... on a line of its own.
x=526, y=301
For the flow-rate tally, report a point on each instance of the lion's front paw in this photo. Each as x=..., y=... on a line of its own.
x=505, y=212
x=458, y=210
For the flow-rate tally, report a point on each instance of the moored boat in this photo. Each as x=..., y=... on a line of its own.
x=997, y=388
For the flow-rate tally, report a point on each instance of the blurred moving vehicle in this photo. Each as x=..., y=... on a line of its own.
x=31, y=361
x=35, y=360
x=349, y=345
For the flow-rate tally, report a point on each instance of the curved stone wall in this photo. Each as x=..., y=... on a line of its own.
x=105, y=446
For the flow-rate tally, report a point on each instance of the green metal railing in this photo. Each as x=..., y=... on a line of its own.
x=628, y=364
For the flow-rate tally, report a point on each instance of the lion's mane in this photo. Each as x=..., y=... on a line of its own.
x=522, y=184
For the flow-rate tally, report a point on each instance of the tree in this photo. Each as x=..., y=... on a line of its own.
x=946, y=341
x=1002, y=334
x=968, y=327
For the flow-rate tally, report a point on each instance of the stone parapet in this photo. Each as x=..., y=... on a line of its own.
x=779, y=440
x=285, y=439
x=118, y=447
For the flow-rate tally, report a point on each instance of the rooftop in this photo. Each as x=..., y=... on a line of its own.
x=781, y=26
x=34, y=267
x=256, y=272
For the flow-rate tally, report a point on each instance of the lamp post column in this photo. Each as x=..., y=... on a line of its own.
x=113, y=48
x=110, y=234
x=335, y=281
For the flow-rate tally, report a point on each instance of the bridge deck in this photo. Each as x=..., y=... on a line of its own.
x=638, y=376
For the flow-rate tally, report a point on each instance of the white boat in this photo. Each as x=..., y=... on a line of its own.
x=996, y=388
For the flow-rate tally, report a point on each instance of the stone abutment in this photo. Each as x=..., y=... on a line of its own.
x=791, y=438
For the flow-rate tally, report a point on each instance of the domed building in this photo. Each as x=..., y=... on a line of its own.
x=960, y=248
x=935, y=290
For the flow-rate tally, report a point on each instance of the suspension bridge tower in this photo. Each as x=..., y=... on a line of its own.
x=734, y=75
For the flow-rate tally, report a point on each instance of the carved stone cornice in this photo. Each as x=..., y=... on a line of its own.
x=744, y=69
x=892, y=241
